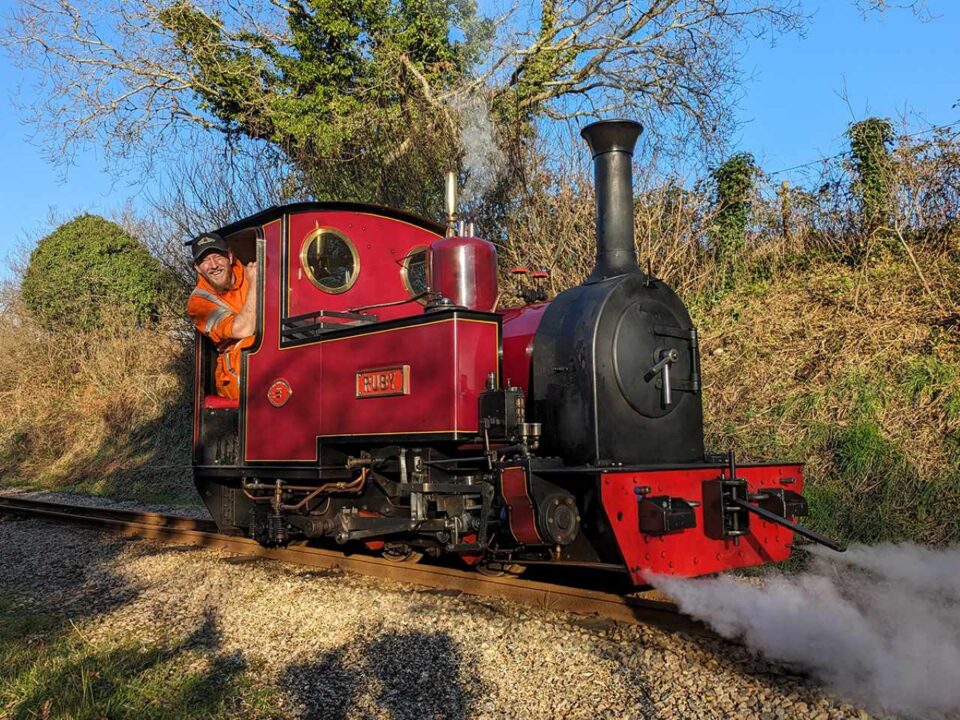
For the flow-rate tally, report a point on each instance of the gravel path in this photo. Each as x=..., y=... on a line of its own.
x=345, y=646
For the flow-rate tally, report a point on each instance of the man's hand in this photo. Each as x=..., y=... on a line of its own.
x=251, y=271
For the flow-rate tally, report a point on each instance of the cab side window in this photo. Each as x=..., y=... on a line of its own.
x=330, y=260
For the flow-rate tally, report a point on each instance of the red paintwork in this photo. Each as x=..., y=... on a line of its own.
x=215, y=402
x=449, y=359
x=519, y=327
x=691, y=552
x=464, y=270
x=381, y=243
x=523, y=525
x=468, y=558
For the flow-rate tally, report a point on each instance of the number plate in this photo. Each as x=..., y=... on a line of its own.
x=383, y=382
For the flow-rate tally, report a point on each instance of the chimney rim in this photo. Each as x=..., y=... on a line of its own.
x=631, y=130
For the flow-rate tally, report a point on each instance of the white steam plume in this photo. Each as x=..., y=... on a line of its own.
x=926, y=569
x=483, y=159
x=877, y=624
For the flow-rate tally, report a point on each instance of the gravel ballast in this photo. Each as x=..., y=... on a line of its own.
x=345, y=646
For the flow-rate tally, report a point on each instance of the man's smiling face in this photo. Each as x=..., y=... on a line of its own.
x=215, y=267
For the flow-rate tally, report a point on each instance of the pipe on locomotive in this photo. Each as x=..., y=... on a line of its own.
x=612, y=143
x=451, y=202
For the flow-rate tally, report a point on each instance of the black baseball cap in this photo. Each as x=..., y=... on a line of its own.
x=202, y=244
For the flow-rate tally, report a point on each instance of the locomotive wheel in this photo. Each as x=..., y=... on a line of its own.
x=499, y=569
x=401, y=552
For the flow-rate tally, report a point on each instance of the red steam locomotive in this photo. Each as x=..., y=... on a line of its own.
x=387, y=401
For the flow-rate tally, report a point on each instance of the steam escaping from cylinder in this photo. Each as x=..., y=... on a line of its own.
x=880, y=624
x=924, y=569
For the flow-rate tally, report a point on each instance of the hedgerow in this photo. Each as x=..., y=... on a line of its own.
x=88, y=264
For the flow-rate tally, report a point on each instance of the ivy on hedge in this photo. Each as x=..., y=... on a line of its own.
x=733, y=182
x=873, y=167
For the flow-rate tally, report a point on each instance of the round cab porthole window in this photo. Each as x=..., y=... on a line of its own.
x=330, y=260
x=414, y=271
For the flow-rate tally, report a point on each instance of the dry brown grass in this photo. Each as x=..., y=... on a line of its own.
x=854, y=371
x=556, y=232
x=103, y=412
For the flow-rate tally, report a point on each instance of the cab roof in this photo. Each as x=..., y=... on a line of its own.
x=277, y=211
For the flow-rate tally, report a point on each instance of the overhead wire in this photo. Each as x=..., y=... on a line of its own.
x=828, y=158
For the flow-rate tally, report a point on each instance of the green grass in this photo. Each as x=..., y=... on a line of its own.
x=864, y=457
x=49, y=669
x=874, y=493
x=872, y=406
x=927, y=377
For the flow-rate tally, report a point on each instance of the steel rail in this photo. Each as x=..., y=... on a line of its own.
x=650, y=608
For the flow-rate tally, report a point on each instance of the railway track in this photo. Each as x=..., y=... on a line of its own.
x=650, y=608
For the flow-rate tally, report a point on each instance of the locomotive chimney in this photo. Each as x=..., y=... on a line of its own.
x=612, y=143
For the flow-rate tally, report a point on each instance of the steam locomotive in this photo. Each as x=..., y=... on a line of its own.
x=388, y=402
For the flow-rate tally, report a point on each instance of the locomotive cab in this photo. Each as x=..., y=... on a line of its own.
x=349, y=362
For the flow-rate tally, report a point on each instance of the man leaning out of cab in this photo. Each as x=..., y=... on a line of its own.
x=223, y=306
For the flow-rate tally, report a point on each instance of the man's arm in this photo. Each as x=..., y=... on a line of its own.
x=245, y=321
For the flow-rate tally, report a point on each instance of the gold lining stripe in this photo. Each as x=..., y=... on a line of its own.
x=261, y=244
x=401, y=432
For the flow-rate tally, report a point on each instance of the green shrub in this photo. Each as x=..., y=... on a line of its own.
x=88, y=264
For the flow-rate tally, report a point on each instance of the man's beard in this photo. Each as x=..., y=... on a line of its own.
x=225, y=283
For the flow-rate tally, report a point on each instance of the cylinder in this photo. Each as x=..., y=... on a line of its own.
x=464, y=270
x=612, y=143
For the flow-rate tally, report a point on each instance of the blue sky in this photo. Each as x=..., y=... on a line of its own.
x=791, y=108
x=886, y=64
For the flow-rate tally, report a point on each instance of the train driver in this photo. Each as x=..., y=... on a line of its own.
x=223, y=306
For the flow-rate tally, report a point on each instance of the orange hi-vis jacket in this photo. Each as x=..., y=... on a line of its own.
x=213, y=314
